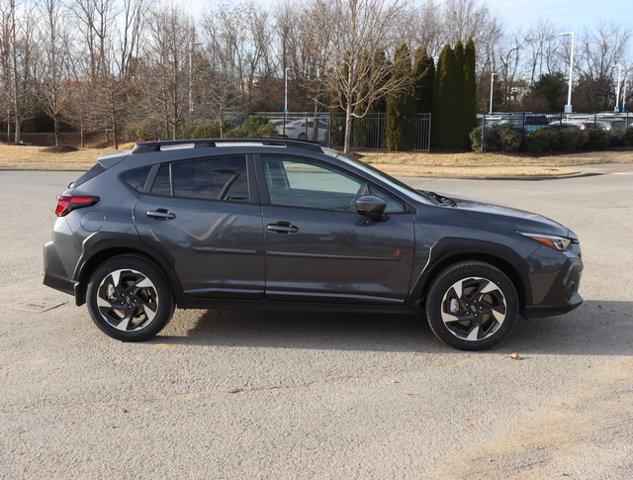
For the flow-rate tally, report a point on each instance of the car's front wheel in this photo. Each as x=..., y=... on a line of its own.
x=472, y=305
x=129, y=298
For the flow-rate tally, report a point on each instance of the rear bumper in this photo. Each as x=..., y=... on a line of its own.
x=54, y=273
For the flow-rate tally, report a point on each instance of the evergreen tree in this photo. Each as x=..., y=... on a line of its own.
x=400, y=103
x=459, y=96
x=424, y=74
x=470, y=92
x=380, y=105
x=443, y=122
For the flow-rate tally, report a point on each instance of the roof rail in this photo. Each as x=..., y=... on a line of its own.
x=145, y=147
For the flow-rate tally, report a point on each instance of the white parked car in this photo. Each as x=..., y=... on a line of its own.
x=304, y=130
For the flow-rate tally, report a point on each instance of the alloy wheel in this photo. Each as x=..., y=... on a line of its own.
x=127, y=300
x=473, y=308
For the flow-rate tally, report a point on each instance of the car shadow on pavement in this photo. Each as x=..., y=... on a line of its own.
x=595, y=328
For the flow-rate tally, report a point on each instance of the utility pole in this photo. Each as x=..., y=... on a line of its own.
x=626, y=83
x=492, y=89
x=568, y=107
x=285, y=98
x=617, y=88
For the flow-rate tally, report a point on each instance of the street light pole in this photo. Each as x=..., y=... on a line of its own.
x=568, y=107
x=285, y=98
x=617, y=88
x=492, y=89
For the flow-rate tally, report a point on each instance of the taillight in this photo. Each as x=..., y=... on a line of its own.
x=68, y=203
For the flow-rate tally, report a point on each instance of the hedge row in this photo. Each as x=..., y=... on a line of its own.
x=506, y=138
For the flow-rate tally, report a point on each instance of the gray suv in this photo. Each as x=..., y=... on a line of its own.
x=289, y=225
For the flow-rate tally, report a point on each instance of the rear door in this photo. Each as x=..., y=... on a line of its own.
x=205, y=214
x=318, y=248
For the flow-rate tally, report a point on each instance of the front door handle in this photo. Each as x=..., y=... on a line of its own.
x=282, y=227
x=161, y=213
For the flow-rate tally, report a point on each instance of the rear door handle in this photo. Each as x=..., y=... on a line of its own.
x=161, y=213
x=282, y=227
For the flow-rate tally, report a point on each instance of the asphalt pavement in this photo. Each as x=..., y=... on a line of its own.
x=241, y=395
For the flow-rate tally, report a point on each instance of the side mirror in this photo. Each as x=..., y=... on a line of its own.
x=370, y=205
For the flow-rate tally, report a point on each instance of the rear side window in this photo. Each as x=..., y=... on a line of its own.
x=162, y=183
x=136, y=177
x=93, y=172
x=219, y=178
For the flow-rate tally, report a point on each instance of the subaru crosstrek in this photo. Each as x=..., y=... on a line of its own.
x=289, y=225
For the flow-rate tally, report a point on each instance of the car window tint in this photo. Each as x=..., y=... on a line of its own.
x=161, y=184
x=295, y=182
x=136, y=177
x=222, y=178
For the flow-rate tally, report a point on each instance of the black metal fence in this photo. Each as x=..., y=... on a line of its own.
x=368, y=132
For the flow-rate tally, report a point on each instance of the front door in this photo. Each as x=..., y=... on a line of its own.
x=206, y=215
x=318, y=248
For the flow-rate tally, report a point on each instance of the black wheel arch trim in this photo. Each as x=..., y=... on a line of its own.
x=98, y=248
x=448, y=251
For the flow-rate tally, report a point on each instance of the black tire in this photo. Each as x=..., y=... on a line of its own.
x=164, y=298
x=436, y=306
x=301, y=136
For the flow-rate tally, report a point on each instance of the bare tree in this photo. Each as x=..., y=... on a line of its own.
x=360, y=32
x=52, y=87
x=166, y=66
x=22, y=52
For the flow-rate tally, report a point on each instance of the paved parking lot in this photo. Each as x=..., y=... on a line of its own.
x=300, y=396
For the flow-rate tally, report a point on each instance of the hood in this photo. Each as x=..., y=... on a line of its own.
x=510, y=218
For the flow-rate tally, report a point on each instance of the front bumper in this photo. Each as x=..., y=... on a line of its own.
x=556, y=291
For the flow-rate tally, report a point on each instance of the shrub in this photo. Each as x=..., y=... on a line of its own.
x=598, y=139
x=146, y=129
x=209, y=129
x=628, y=136
x=510, y=138
x=253, y=126
x=571, y=139
x=540, y=141
x=616, y=137
x=491, y=141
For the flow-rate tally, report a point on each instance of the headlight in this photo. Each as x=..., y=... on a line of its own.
x=551, y=241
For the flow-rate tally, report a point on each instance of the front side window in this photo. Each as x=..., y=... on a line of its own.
x=297, y=182
x=221, y=178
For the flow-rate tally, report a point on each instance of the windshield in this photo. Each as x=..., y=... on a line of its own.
x=418, y=195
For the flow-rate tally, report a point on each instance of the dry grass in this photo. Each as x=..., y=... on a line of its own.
x=474, y=164
x=17, y=157
x=470, y=164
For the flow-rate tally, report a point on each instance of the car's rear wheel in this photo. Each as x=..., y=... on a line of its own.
x=472, y=305
x=129, y=298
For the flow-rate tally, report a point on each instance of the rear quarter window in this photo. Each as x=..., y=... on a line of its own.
x=136, y=177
